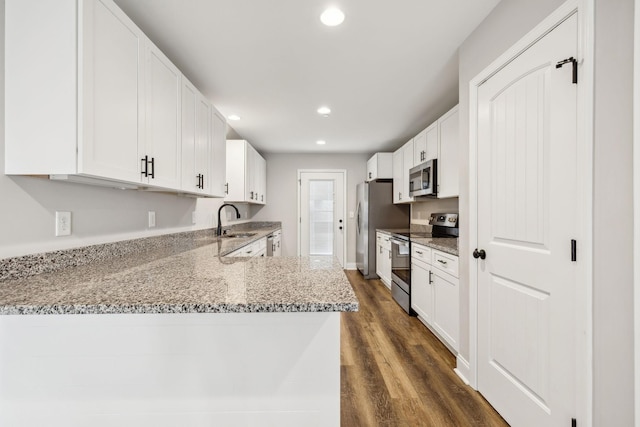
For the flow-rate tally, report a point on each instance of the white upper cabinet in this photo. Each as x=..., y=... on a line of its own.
x=160, y=146
x=402, y=163
x=106, y=109
x=197, y=144
x=407, y=156
x=246, y=173
x=438, y=141
x=448, y=154
x=398, y=170
x=219, y=153
x=380, y=166
x=109, y=85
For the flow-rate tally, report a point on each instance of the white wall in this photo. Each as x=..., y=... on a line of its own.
x=613, y=191
x=282, y=188
x=613, y=265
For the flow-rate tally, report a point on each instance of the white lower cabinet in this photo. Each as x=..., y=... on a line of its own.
x=435, y=292
x=255, y=249
x=383, y=258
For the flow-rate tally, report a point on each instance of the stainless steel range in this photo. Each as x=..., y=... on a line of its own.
x=443, y=225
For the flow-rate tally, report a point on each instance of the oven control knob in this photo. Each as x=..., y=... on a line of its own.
x=479, y=254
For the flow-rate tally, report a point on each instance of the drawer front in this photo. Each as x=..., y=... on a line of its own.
x=421, y=253
x=445, y=262
x=386, y=241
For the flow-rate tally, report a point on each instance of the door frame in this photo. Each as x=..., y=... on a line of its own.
x=636, y=206
x=344, y=207
x=584, y=293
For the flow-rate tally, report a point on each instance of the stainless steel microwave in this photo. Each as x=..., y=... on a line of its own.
x=423, y=179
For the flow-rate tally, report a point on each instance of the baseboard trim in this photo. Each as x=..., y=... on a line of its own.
x=350, y=266
x=462, y=369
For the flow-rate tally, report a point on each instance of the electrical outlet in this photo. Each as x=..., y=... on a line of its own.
x=152, y=219
x=63, y=224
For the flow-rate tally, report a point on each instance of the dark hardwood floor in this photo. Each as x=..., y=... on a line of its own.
x=395, y=372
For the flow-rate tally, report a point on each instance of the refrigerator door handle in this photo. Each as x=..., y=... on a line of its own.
x=358, y=218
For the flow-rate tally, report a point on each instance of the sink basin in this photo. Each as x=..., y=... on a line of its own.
x=231, y=235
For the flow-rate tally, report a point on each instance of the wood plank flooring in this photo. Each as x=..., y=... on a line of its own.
x=395, y=372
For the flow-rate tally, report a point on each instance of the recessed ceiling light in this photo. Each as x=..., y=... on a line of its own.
x=332, y=17
x=233, y=117
x=321, y=142
x=325, y=111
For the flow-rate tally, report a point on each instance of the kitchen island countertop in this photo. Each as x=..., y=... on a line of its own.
x=187, y=275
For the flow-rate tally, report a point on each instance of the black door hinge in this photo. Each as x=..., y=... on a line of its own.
x=574, y=63
x=574, y=254
x=574, y=423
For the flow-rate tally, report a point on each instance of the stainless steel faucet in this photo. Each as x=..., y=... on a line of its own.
x=219, y=229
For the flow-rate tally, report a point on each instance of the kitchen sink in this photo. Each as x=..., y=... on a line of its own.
x=232, y=235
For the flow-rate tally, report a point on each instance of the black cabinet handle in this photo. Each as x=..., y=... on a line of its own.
x=153, y=168
x=226, y=188
x=479, y=254
x=430, y=273
x=202, y=181
x=145, y=166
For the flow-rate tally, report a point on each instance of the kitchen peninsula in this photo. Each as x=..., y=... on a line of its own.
x=167, y=331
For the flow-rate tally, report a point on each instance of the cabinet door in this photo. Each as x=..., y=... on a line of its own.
x=407, y=150
x=446, y=314
x=261, y=179
x=203, y=143
x=162, y=119
x=372, y=168
x=250, y=172
x=111, y=57
x=218, y=154
x=448, y=159
x=398, y=171
x=235, y=171
x=420, y=148
x=431, y=142
x=421, y=291
x=189, y=95
x=379, y=259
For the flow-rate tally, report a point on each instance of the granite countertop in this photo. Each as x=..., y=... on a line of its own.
x=445, y=244
x=182, y=274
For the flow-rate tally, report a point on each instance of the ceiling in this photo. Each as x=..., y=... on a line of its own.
x=386, y=73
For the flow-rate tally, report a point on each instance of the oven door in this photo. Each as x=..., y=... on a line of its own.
x=401, y=273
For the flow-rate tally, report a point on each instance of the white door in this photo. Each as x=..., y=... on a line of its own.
x=526, y=221
x=322, y=221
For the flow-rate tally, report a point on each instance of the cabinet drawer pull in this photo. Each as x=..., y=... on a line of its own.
x=418, y=252
x=442, y=262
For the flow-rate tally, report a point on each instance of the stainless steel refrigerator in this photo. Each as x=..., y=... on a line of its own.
x=375, y=209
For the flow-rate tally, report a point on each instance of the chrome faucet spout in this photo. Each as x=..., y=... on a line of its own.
x=219, y=228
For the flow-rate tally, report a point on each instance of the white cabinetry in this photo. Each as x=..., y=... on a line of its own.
x=219, y=153
x=380, y=166
x=421, y=283
x=246, y=173
x=448, y=155
x=277, y=243
x=398, y=178
x=196, y=140
x=438, y=141
x=106, y=109
x=426, y=145
x=435, y=292
x=160, y=145
x=383, y=258
x=402, y=163
x=255, y=249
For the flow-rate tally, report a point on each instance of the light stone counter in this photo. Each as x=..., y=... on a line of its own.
x=188, y=274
